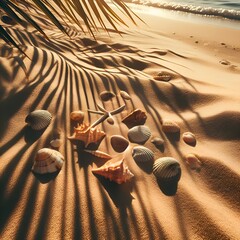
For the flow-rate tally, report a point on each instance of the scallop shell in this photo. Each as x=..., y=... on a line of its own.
x=139, y=134
x=142, y=154
x=114, y=171
x=86, y=134
x=137, y=117
x=47, y=161
x=189, y=138
x=119, y=143
x=38, y=119
x=56, y=143
x=77, y=116
x=170, y=127
x=99, y=154
x=106, y=95
x=167, y=169
x=193, y=161
x=125, y=95
x=157, y=141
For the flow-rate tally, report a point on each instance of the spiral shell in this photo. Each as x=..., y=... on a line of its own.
x=189, y=138
x=119, y=143
x=47, y=161
x=38, y=119
x=99, y=154
x=77, y=116
x=139, y=134
x=125, y=95
x=167, y=169
x=136, y=117
x=169, y=126
x=142, y=154
x=106, y=95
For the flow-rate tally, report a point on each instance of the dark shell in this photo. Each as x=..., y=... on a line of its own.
x=142, y=154
x=8, y=20
x=137, y=117
x=157, y=141
x=106, y=95
x=38, y=119
x=139, y=134
x=119, y=143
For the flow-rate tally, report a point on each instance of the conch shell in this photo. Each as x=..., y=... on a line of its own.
x=115, y=171
x=86, y=134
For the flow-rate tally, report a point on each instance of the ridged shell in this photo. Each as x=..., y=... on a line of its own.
x=99, y=154
x=139, y=134
x=38, y=119
x=114, y=171
x=119, y=143
x=125, y=95
x=47, y=161
x=166, y=169
x=142, y=154
x=77, y=116
x=170, y=127
x=137, y=117
x=163, y=76
x=189, y=138
x=157, y=141
x=193, y=161
x=106, y=95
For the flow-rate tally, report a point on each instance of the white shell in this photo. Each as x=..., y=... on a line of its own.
x=167, y=169
x=47, y=161
x=189, y=138
x=38, y=119
x=125, y=95
x=169, y=126
x=139, y=134
x=142, y=154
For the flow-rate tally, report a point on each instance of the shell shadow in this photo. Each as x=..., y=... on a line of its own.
x=30, y=135
x=169, y=188
x=173, y=137
x=119, y=193
x=145, y=166
x=46, y=178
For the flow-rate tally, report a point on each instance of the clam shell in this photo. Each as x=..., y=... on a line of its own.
x=77, y=116
x=167, y=169
x=142, y=154
x=47, y=161
x=125, y=95
x=38, y=119
x=189, y=138
x=136, y=117
x=56, y=143
x=169, y=126
x=139, y=134
x=193, y=161
x=114, y=171
x=119, y=143
x=106, y=95
x=157, y=141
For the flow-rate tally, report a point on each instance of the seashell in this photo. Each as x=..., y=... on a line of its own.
x=106, y=95
x=110, y=120
x=136, y=117
x=169, y=126
x=193, y=162
x=47, y=161
x=77, y=116
x=86, y=134
x=225, y=62
x=125, y=95
x=114, y=171
x=56, y=143
x=157, y=141
x=38, y=119
x=139, y=134
x=163, y=76
x=119, y=143
x=99, y=154
x=142, y=154
x=167, y=169
x=189, y=138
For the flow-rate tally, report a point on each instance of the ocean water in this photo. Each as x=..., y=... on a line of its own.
x=223, y=8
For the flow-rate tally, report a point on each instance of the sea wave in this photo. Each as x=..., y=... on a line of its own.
x=210, y=11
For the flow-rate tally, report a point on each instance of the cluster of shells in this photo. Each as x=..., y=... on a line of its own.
x=87, y=135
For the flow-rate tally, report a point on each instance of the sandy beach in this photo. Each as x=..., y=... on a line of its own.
x=201, y=61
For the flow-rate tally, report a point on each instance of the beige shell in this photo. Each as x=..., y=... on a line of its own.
x=167, y=169
x=110, y=120
x=125, y=95
x=84, y=133
x=169, y=126
x=114, y=171
x=38, y=119
x=47, y=161
x=193, y=161
x=139, y=134
x=119, y=143
x=142, y=154
x=157, y=141
x=136, y=117
x=106, y=95
x=189, y=138
x=77, y=116
x=163, y=76
x=56, y=143
x=99, y=154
